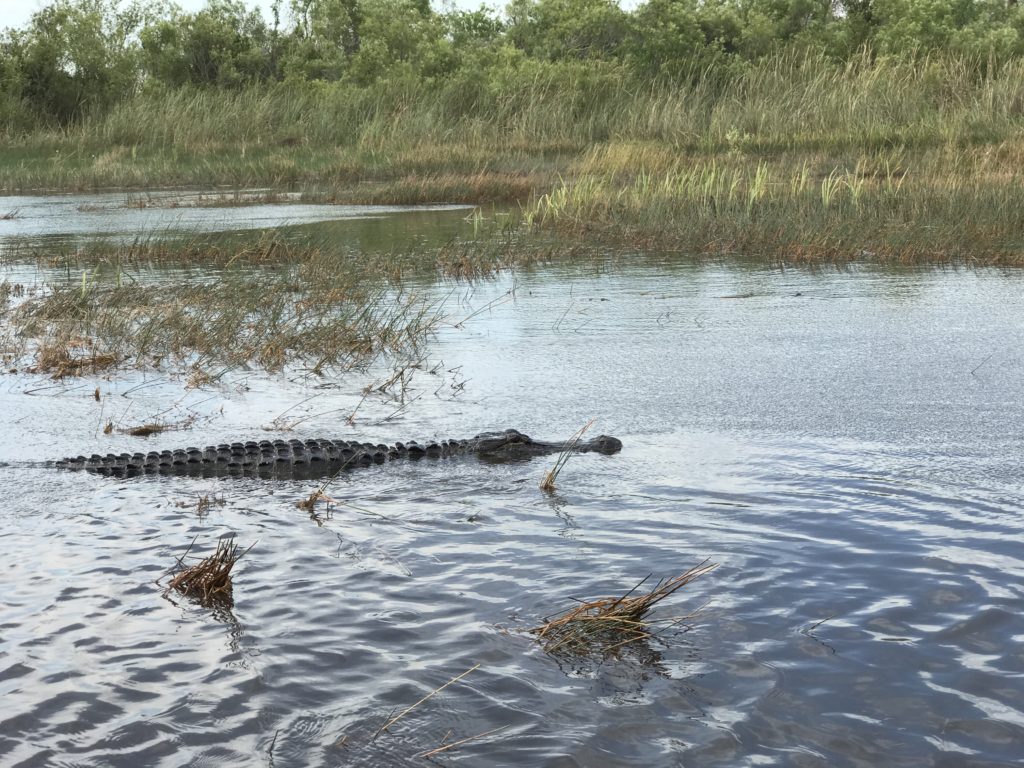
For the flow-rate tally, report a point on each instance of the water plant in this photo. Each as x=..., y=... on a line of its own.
x=209, y=580
x=603, y=625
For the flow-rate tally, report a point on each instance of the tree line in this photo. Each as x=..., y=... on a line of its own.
x=78, y=58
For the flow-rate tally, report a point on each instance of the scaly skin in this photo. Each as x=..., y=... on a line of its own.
x=319, y=458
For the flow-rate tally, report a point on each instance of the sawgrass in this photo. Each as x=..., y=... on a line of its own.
x=208, y=581
x=798, y=158
x=954, y=204
x=602, y=626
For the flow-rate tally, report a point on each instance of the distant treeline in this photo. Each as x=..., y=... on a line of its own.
x=79, y=58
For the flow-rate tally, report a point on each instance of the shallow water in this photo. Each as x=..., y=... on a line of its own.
x=55, y=220
x=846, y=445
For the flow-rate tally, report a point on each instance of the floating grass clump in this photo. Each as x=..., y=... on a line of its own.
x=208, y=581
x=599, y=627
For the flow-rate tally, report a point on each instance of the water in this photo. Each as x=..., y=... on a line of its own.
x=52, y=221
x=847, y=446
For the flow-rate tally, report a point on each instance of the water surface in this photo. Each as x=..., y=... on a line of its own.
x=846, y=444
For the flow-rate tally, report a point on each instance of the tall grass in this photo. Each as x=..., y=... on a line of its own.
x=948, y=204
x=798, y=157
x=532, y=121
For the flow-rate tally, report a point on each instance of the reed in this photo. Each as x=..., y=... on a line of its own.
x=548, y=483
x=209, y=581
x=601, y=626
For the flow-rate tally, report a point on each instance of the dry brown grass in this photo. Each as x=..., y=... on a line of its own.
x=601, y=626
x=208, y=581
x=548, y=483
x=62, y=357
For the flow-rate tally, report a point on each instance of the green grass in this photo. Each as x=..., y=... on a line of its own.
x=268, y=305
x=962, y=205
x=800, y=158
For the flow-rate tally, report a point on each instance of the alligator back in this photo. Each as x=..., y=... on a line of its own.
x=264, y=458
x=320, y=458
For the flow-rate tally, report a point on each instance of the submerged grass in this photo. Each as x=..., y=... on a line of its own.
x=268, y=304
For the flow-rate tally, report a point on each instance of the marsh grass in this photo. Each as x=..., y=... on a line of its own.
x=963, y=205
x=602, y=626
x=309, y=311
x=799, y=157
x=208, y=581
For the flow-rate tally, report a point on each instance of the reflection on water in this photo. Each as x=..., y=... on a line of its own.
x=61, y=220
x=847, y=445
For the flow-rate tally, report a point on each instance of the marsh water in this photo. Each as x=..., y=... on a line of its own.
x=847, y=445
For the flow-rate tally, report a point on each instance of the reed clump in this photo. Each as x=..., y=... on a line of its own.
x=601, y=626
x=209, y=581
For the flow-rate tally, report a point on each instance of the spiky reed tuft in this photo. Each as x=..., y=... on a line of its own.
x=208, y=581
x=603, y=625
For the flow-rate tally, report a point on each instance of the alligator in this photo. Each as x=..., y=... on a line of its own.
x=320, y=458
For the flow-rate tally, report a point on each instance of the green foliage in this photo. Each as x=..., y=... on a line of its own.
x=401, y=38
x=326, y=34
x=666, y=35
x=223, y=45
x=981, y=28
x=75, y=57
x=81, y=58
x=568, y=29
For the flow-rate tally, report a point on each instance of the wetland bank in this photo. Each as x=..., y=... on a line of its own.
x=777, y=257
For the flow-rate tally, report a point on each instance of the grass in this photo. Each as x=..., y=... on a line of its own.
x=798, y=159
x=602, y=626
x=267, y=304
x=548, y=483
x=950, y=205
x=208, y=581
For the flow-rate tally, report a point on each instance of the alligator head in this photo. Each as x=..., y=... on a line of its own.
x=512, y=444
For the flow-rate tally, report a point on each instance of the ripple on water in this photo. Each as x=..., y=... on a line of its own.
x=862, y=497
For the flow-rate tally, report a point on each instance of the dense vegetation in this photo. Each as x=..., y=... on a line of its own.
x=788, y=128
x=81, y=58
